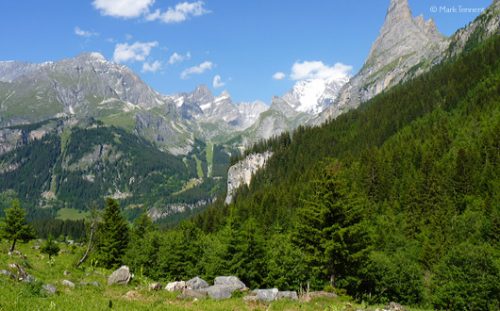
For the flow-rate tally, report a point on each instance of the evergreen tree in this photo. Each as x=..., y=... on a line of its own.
x=14, y=226
x=113, y=236
x=50, y=247
x=330, y=230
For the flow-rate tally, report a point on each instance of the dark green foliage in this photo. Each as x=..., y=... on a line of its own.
x=113, y=236
x=467, y=277
x=14, y=226
x=50, y=247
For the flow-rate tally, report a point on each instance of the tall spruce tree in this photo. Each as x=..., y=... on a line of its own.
x=113, y=236
x=14, y=226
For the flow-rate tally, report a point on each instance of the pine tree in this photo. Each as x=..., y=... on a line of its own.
x=50, y=247
x=113, y=236
x=14, y=226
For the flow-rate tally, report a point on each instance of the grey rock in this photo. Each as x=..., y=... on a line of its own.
x=7, y=273
x=220, y=291
x=68, y=283
x=266, y=295
x=196, y=283
x=192, y=294
x=49, y=289
x=154, y=286
x=175, y=286
x=292, y=295
x=121, y=276
x=230, y=281
x=241, y=173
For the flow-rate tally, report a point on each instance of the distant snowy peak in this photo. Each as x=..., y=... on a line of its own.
x=313, y=95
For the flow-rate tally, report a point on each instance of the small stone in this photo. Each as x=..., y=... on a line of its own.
x=49, y=289
x=155, y=286
x=68, y=283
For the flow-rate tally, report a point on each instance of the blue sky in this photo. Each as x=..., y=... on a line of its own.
x=244, y=42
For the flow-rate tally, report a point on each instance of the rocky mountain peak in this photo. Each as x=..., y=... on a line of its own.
x=398, y=10
x=201, y=95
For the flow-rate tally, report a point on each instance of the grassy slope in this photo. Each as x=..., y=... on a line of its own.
x=20, y=296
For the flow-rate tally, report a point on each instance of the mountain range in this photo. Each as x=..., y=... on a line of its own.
x=58, y=100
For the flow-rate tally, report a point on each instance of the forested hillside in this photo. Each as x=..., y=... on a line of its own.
x=397, y=200
x=70, y=164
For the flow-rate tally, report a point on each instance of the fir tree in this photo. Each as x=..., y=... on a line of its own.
x=14, y=226
x=50, y=247
x=113, y=237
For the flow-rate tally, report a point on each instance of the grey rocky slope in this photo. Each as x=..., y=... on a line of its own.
x=407, y=47
x=90, y=86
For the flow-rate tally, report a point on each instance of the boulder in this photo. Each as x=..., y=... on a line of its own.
x=154, y=286
x=49, y=289
x=230, y=281
x=196, y=283
x=266, y=295
x=68, y=283
x=192, y=294
x=175, y=286
x=66, y=273
x=121, y=276
x=219, y=291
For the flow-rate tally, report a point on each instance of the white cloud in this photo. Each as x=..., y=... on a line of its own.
x=217, y=82
x=201, y=68
x=84, y=33
x=138, y=51
x=180, y=13
x=151, y=67
x=123, y=8
x=318, y=70
x=178, y=58
x=279, y=75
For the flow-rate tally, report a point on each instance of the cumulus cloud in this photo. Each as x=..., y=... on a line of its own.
x=217, y=82
x=180, y=13
x=137, y=51
x=178, y=58
x=123, y=8
x=201, y=68
x=84, y=33
x=318, y=70
x=151, y=67
x=279, y=75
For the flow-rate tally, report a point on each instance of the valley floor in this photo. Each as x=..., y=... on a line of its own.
x=135, y=296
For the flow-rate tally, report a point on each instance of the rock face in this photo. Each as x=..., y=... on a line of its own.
x=406, y=47
x=485, y=26
x=241, y=173
x=196, y=283
x=121, y=276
